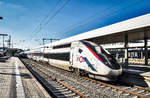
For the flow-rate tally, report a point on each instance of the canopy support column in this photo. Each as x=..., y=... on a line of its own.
x=126, y=49
x=145, y=49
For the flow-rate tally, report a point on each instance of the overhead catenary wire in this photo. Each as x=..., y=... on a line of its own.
x=55, y=14
x=90, y=18
x=45, y=18
x=58, y=11
x=52, y=16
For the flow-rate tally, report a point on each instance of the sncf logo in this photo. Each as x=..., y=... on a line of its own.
x=81, y=59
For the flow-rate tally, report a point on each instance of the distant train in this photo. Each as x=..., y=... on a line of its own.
x=82, y=57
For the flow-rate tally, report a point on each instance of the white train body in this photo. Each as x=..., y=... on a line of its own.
x=82, y=57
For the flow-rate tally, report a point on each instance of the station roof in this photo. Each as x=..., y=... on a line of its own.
x=136, y=28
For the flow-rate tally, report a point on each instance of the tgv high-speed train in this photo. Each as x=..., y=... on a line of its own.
x=82, y=57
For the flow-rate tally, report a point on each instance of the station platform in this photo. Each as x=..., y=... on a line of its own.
x=136, y=75
x=17, y=82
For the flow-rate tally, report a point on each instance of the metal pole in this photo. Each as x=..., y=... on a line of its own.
x=126, y=49
x=12, y=43
x=146, y=51
x=145, y=47
x=3, y=45
x=43, y=41
x=51, y=40
x=9, y=41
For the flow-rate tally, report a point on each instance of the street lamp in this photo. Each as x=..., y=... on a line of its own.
x=1, y=17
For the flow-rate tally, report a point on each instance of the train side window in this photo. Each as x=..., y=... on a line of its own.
x=46, y=47
x=98, y=49
x=80, y=50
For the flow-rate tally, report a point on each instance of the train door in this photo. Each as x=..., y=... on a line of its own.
x=74, y=56
x=71, y=55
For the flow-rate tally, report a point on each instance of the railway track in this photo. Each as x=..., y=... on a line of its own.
x=55, y=87
x=89, y=87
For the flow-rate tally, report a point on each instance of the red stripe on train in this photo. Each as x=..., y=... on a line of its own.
x=94, y=54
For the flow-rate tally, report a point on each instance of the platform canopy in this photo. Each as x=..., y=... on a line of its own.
x=136, y=29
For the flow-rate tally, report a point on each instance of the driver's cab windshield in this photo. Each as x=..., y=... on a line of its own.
x=107, y=58
x=97, y=49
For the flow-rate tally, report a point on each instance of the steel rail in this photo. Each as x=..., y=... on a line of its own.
x=109, y=85
x=146, y=89
x=120, y=89
x=63, y=84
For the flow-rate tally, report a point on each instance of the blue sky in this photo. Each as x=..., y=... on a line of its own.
x=32, y=20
